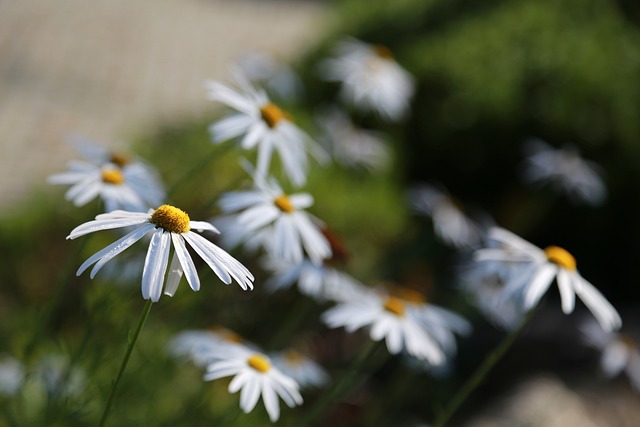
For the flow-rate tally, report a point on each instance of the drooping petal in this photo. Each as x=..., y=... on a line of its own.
x=270, y=400
x=601, y=309
x=155, y=265
x=539, y=284
x=174, y=276
x=567, y=296
x=185, y=261
x=114, y=249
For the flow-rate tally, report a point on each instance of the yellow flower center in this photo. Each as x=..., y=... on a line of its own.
x=395, y=305
x=226, y=334
x=119, y=159
x=272, y=114
x=561, y=257
x=171, y=219
x=112, y=176
x=383, y=51
x=259, y=363
x=284, y=204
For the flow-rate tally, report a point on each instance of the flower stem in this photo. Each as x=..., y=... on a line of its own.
x=123, y=365
x=481, y=372
x=342, y=387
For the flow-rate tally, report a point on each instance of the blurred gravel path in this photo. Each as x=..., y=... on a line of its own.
x=111, y=69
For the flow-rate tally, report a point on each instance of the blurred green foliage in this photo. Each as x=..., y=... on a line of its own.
x=490, y=75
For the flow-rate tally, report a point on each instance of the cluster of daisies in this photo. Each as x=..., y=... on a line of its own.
x=509, y=275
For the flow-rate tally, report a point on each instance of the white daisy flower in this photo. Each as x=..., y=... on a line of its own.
x=319, y=281
x=392, y=318
x=11, y=375
x=450, y=223
x=352, y=146
x=255, y=375
x=371, y=78
x=545, y=265
x=203, y=346
x=276, y=76
x=119, y=182
x=306, y=372
x=287, y=230
x=619, y=352
x=168, y=226
x=261, y=124
x=485, y=283
x=566, y=170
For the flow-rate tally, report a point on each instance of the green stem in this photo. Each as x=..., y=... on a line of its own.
x=341, y=388
x=481, y=372
x=123, y=365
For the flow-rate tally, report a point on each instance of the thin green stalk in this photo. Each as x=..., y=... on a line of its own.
x=342, y=387
x=123, y=365
x=481, y=372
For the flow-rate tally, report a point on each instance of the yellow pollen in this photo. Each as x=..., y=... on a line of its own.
x=382, y=51
x=561, y=257
x=259, y=363
x=272, y=114
x=284, y=204
x=119, y=159
x=112, y=176
x=171, y=219
x=395, y=306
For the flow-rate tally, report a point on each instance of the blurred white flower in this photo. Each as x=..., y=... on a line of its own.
x=203, y=346
x=319, y=281
x=254, y=375
x=306, y=372
x=485, y=283
x=402, y=323
x=545, y=265
x=168, y=225
x=11, y=375
x=371, y=78
x=261, y=124
x=59, y=378
x=565, y=170
x=287, y=230
x=450, y=223
x=619, y=352
x=276, y=76
x=352, y=146
x=120, y=183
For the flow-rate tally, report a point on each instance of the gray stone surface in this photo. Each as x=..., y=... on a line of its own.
x=113, y=69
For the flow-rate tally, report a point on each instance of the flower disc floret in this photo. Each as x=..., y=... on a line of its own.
x=395, y=305
x=112, y=176
x=561, y=257
x=409, y=295
x=284, y=204
x=259, y=363
x=382, y=51
x=119, y=159
x=171, y=219
x=272, y=114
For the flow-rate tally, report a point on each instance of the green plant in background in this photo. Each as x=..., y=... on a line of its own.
x=481, y=81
